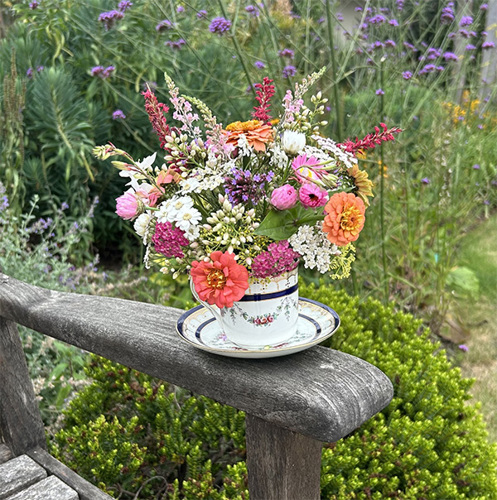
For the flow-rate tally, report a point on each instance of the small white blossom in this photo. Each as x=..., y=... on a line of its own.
x=243, y=146
x=292, y=142
x=187, y=218
x=141, y=225
x=316, y=250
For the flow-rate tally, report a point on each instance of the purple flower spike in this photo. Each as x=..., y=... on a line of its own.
x=118, y=115
x=259, y=65
x=219, y=25
x=465, y=21
x=289, y=71
x=108, y=19
x=406, y=75
x=380, y=92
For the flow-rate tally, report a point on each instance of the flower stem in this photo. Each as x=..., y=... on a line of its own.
x=382, y=186
x=331, y=42
x=238, y=50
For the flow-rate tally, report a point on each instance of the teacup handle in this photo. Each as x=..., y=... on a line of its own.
x=213, y=309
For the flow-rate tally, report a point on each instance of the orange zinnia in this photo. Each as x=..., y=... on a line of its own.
x=221, y=281
x=258, y=134
x=345, y=218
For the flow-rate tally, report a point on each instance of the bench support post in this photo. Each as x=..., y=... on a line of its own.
x=281, y=464
x=21, y=426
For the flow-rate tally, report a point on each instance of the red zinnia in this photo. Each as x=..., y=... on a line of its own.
x=221, y=281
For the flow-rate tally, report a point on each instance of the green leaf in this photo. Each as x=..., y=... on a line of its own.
x=281, y=224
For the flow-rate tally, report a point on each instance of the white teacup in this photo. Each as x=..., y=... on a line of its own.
x=266, y=315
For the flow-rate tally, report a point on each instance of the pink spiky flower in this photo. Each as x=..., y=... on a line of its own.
x=264, y=92
x=371, y=140
x=155, y=111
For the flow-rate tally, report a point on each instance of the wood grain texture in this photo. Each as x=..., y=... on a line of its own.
x=20, y=422
x=321, y=393
x=85, y=489
x=51, y=488
x=281, y=464
x=18, y=474
x=5, y=453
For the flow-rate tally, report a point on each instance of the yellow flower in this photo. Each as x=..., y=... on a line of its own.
x=362, y=182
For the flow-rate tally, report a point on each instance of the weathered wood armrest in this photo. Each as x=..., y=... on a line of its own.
x=320, y=394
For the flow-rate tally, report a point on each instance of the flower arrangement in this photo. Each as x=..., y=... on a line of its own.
x=250, y=200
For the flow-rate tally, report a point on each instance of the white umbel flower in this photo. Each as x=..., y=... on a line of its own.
x=292, y=142
x=141, y=225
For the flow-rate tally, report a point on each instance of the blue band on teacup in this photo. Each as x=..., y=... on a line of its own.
x=257, y=297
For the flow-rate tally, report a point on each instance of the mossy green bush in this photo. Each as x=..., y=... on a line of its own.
x=429, y=443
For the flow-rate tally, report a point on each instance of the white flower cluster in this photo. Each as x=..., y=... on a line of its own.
x=329, y=145
x=278, y=157
x=180, y=211
x=141, y=225
x=316, y=250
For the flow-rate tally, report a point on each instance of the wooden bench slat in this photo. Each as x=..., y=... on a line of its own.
x=19, y=473
x=5, y=453
x=51, y=488
x=85, y=489
x=321, y=393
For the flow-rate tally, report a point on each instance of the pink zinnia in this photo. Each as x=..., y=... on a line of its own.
x=312, y=196
x=307, y=169
x=284, y=197
x=128, y=206
x=168, y=240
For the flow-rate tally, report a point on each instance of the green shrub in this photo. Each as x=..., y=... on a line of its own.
x=428, y=443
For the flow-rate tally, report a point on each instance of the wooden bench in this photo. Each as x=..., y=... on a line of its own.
x=293, y=404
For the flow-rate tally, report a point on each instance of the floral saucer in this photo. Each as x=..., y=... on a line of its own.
x=316, y=323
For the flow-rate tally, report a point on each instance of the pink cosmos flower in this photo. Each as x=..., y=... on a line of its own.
x=307, y=169
x=284, y=197
x=128, y=206
x=312, y=196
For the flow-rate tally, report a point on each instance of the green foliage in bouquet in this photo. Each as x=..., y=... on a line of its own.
x=428, y=443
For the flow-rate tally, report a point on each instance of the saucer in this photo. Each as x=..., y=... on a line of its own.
x=316, y=323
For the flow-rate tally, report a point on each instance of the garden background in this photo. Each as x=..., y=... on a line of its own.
x=72, y=77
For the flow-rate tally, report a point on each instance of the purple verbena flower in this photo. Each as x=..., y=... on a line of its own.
x=463, y=347
x=64, y=206
x=108, y=19
x=287, y=53
x=124, y=5
x=118, y=115
x=289, y=71
x=175, y=44
x=433, y=53
x=202, y=14
x=180, y=9
x=252, y=10
x=259, y=65
x=425, y=180
x=164, y=25
x=380, y=92
x=406, y=75
x=34, y=5
x=450, y=56
x=393, y=22
x=29, y=73
x=377, y=45
x=447, y=15
x=220, y=25
x=390, y=43
x=429, y=68
x=339, y=16
x=470, y=46
x=378, y=19
x=465, y=21
x=39, y=69
x=4, y=203
x=488, y=45
x=484, y=6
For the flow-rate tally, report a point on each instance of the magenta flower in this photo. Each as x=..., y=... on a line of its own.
x=312, y=196
x=168, y=240
x=128, y=206
x=307, y=169
x=284, y=197
x=278, y=259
